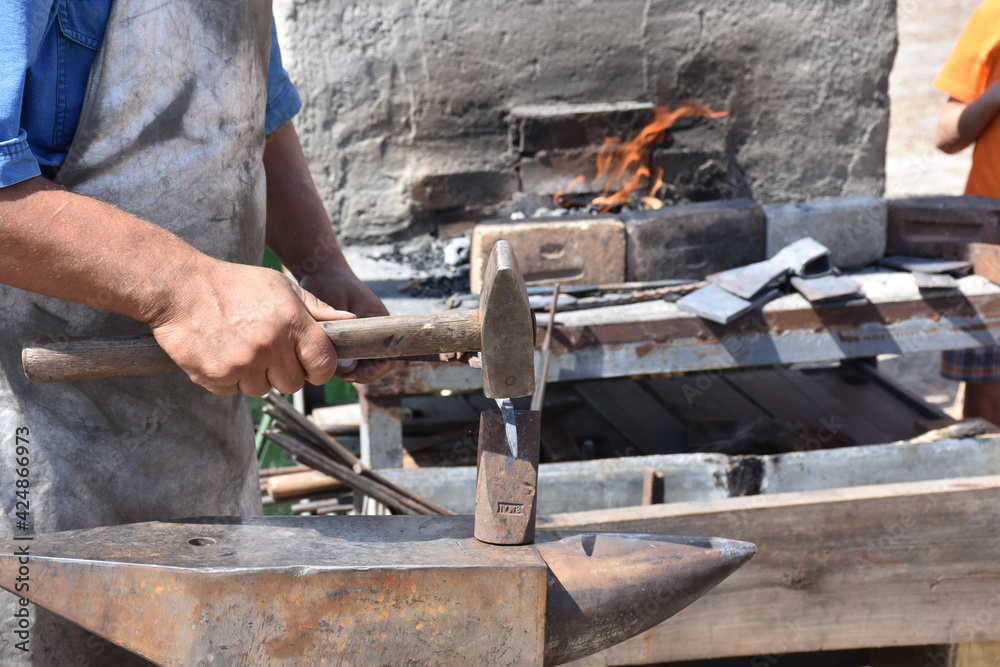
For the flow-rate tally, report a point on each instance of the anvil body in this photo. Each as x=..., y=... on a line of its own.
x=389, y=590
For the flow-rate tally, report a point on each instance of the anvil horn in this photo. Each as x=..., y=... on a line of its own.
x=361, y=590
x=608, y=587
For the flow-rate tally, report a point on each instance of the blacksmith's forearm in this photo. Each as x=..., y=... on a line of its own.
x=298, y=228
x=75, y=248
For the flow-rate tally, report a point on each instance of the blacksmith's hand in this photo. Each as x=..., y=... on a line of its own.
x=337, y=285
x=235, y=328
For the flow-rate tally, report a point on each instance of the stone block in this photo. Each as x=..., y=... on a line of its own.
x=587, y=251
x=441, y=192
x=923, y=226
x=545, y=127
x=693, y=240
x=549, y=172
x=853, y=228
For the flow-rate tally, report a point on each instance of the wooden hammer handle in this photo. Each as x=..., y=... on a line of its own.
x=363, y=338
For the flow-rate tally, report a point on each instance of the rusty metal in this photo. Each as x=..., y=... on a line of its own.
x=539, y=398
x=618, y=578
x=283, y=591
x=311, y=445
x=924, y=264
x=825, y=287
x=806, y=258
x=508, y=328
x=718, y=305
x=507, y=484
x=748, y=281
x=934, y=280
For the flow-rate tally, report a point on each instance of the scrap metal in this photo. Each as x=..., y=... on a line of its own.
x=826, y=287
x=806, y=258
x=718, y=305
x=923, y=264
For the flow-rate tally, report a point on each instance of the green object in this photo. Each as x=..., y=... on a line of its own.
x=337, y=391
x=270, y=261
x=279, y=509
x=272, y=456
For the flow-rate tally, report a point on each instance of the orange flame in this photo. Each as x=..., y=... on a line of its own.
x=623, y=168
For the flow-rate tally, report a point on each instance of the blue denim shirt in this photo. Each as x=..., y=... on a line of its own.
x=46, y=51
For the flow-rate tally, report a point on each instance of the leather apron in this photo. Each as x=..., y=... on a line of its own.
x=172, y=131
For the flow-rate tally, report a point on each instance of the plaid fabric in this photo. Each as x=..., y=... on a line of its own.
x=981, y=364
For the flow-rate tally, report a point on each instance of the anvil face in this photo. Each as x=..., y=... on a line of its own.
x=355, y=590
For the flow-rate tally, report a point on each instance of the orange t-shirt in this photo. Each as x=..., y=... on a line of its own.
x=972, y=67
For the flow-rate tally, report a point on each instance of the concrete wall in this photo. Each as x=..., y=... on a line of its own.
x=398, y=90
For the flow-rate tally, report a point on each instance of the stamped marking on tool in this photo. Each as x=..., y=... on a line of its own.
x=510, y=508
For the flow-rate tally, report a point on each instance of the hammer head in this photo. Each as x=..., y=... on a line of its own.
x=508, y=328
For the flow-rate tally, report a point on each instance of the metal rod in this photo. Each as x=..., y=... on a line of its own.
x=325, y=464
x=539, y=397
x=338, y=451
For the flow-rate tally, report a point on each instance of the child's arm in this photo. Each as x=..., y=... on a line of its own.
x=961, y=124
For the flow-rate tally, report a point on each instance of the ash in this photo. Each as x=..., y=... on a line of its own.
x=443, y=266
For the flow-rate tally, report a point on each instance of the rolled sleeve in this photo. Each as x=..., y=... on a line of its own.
x=17, y=162
x=283, y=100
x=22, y=24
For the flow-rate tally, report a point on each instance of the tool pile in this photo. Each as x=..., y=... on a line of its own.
x=293, y=432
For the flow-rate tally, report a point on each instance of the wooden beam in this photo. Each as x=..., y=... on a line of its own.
x=890, y=565
x=690, y=477
x=658, y=337
x=985, y=654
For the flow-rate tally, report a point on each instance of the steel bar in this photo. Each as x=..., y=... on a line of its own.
x=283, y=591
x=356, y=481
x=324, y=439
x=539, y=398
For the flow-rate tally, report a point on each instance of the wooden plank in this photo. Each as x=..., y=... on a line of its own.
x=862, y=394
x=641, y=420
x=703, y=396
x=985, y=654
x=889, y=565
x=775, y=396
x=617, y=482
x=940, y=655
x=381, y=430
x=842, y=408
x=904, y=394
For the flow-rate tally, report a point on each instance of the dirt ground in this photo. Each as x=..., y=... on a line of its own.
x=928, y=29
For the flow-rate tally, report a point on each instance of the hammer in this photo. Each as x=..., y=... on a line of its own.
x=502, y=331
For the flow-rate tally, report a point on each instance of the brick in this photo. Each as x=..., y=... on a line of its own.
x=550, y=172
x=577, y=251
x=922, y=226
x=693, y=240
x=853, y=228
x=441, y=192
x=543, y=127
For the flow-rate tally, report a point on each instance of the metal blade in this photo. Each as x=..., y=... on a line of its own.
x=510, y=423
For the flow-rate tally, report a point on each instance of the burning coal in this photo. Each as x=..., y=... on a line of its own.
x=625, y=170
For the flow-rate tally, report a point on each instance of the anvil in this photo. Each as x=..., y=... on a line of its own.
x=359, y=590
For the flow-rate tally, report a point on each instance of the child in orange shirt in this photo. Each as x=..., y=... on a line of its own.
x=971, y=78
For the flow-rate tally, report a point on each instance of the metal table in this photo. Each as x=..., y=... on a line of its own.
x=894, y=317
